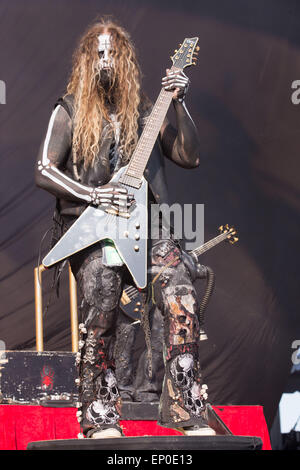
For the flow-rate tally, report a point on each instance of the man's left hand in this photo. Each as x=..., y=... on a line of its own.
x=178, y=81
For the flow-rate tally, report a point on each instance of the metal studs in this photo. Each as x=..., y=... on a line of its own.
x=82, y=328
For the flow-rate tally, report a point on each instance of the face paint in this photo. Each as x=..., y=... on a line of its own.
x=104, y=51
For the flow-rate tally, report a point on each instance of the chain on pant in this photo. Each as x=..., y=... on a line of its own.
x=183, y=396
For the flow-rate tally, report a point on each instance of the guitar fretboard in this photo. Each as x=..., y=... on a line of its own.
x=211, y=243
x=136, y=167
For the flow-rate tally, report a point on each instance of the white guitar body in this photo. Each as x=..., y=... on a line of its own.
x=129, y=233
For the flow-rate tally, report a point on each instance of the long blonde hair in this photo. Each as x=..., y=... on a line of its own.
x=90, y=108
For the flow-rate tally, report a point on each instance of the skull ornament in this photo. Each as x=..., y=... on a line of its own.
x=87, y=389
x=89, y=355
x=193, y=399
x=100, y=413
x=91, y=340
x=108, y=391
x=182, y=371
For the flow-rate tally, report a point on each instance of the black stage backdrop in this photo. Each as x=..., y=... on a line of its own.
x=240, y=100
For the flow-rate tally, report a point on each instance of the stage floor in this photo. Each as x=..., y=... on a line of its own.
x=22, y=424
x=156, y=443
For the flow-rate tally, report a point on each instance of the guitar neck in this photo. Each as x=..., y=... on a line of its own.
x=136, y=167
x=208, y=245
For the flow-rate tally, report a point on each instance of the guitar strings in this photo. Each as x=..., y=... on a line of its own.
x=212, y=242
x=144, y=141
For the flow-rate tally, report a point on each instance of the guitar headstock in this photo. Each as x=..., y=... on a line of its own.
x=186, y=54
x=231, y=231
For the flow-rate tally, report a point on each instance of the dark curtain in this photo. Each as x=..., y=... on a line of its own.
x=240, y=100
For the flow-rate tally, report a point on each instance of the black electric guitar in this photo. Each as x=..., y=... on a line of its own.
x=127, y=230
x=131, y=302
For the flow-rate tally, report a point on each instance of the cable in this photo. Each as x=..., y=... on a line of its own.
x=210, y=284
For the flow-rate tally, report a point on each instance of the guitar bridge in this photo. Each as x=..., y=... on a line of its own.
x=125, y=299
x=125, y=215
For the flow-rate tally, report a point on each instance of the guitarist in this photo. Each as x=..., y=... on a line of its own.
x=92, y=132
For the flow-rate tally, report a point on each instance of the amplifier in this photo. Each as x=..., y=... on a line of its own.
x=38, y=378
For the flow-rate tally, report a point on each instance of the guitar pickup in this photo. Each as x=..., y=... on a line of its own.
x=131, y=180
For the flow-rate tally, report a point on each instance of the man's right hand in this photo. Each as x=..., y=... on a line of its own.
x=112, y=195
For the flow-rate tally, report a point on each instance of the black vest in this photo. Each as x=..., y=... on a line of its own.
x=99, y=174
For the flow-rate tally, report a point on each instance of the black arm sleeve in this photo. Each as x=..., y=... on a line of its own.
x=52, y=156
x=182, y=146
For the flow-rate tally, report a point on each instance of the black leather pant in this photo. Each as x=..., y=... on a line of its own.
x=132, y=365
x=100, y=286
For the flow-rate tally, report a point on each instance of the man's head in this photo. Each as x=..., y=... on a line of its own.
x=105, y=77
x=105, y=46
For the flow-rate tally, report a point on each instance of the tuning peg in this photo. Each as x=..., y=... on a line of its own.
x=198, y=48
x=176, y=50
x=194, y=63
x=221, y=228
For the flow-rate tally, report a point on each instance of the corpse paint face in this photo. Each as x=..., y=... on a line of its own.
x=104, y=51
